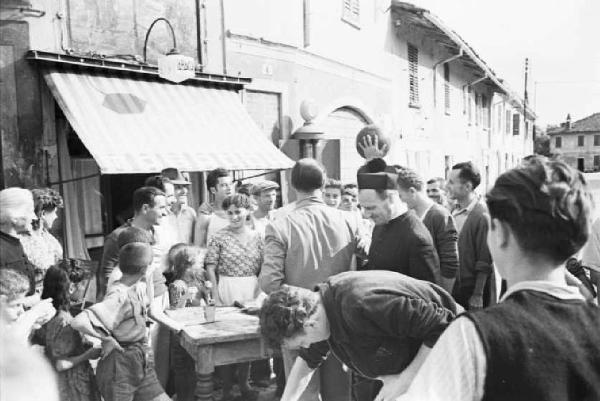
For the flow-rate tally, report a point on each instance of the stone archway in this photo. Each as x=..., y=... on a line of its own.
x=339, y=153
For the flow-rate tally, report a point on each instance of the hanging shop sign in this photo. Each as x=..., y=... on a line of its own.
x=176, y=67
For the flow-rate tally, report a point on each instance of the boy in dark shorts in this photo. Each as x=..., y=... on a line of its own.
x=126, y=370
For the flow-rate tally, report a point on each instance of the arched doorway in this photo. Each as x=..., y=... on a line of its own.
x=339, y=153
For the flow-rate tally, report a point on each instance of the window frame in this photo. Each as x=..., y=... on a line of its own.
x=516, y=124
x=413, y=76
x=447, y=99
x=558, y=142
x=351, y=12
x=580, y=141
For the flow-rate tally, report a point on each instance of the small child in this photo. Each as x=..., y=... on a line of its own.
x=14, y=287
x=126, y=370
x=65, y=347
x=187, y=289
x=188, y=262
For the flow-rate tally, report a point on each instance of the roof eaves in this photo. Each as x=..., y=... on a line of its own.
x=467, y=49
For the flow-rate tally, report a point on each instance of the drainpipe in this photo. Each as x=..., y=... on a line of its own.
x=435, y=66
x=223, y=37
x=475, y=82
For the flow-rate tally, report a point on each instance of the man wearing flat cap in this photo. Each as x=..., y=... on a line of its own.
x=400, y=242
x=182, y=219
x=265, y=196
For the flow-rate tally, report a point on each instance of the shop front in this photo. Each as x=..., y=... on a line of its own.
x=118, y=123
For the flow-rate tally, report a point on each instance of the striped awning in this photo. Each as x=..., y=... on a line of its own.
x=140, y=125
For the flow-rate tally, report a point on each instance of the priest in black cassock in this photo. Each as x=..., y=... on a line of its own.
x=400, y=240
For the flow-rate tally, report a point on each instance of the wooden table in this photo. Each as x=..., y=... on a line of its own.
x=234, y=337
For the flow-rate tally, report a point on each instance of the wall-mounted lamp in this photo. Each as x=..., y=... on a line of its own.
x=173, y=66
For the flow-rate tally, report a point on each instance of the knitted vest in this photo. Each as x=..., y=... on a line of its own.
x=539, y=347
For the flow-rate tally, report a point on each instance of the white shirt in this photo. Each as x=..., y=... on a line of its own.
x=182, y=224
x=455, y=369
x=461, y=215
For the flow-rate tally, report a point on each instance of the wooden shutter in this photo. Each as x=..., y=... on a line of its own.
x=516, y=123
x=351, y=11
x=447, y=87
x=413, y=75
x=470, y=105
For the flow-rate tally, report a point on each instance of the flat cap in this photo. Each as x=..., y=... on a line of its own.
x=263, y=185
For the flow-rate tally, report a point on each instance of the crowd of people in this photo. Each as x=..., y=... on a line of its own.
x=391, y=287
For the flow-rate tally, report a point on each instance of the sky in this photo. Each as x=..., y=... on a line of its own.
x=560, y=38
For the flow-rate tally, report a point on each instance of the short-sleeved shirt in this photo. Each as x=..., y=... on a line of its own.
x=122, y=313
x=232, y=258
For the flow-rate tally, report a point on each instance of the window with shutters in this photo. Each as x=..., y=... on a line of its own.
x=485, y=112
x=470, y=105
x=447, y=88
x=516, y=124
x=351, y=12
x=499, y=119
x=596, y=162
x=596, y=140
x=477, y=109
x=558, y=142
x=413, y=76
x=580, y=140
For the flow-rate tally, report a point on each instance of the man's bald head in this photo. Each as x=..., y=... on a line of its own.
x=308, y=175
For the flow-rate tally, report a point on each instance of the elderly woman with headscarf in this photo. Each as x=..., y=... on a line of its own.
x=16, y=215
x=41, y=247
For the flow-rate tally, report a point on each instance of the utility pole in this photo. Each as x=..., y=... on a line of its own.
x=526, y=101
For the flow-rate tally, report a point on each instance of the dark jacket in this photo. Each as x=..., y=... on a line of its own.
x=12, y=256
x=442, y=228
x=404, y=245
x=378, y=320
x=473, y=254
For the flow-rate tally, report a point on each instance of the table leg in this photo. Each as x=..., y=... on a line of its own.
x=204, y=387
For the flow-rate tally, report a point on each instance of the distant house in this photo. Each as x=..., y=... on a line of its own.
x=578, y=143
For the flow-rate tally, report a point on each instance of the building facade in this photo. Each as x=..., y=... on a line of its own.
x=381, y=62
x=578, y=143
x=353, y=62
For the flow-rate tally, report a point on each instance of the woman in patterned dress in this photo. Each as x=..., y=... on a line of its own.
x=235, y=255
x=42, y=248
x=233, y=262
x=66, y=348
